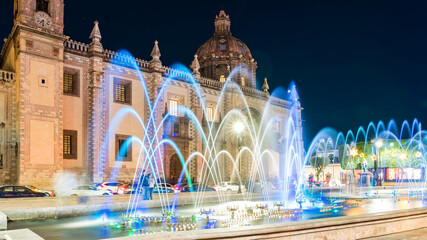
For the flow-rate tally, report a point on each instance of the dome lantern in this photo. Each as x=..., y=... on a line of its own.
x=222, y=24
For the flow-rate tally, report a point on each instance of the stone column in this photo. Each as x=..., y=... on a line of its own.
x=154, y=84
x=96, y=109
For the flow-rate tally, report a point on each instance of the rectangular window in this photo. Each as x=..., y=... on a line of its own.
x=210, y=113
x=69, y=144
x=122, y=154
x=173, y=107
x=68, y=83
x=122, y=91
x=71, y=82
x=125, y=154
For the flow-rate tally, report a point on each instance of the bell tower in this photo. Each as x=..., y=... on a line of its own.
x=34, y=51
x=45, y=14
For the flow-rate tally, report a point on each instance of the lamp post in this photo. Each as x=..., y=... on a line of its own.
x=353, y=153
x=374, y=158
x=378, y=145
x=238, y=128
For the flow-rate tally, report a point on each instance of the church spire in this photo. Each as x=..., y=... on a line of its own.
x=222, y=24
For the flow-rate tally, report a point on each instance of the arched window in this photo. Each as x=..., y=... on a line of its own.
x=175, y=130
x=42, y=5
x=222, y=78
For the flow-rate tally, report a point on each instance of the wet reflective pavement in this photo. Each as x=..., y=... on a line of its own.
x=100, y=225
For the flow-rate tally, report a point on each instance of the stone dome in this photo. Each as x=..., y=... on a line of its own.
x=219, y=55
x=220, y=46
x=223, y=44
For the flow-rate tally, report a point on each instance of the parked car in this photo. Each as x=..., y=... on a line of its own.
x=86, y=190
x=196, y=188
x=166, y=185
x=113, y=187
x=253, y=187
x=130, y=189
x=163, y=188
x=12, y=191
x=40, y=190
x=229, y=187
x=181, y=188
x=335, y=183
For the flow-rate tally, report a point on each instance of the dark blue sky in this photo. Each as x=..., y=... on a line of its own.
x=353, y=61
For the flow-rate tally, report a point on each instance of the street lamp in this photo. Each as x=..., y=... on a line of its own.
x=353, y=152
x=402, y=156
x=378, y=145
x=238, y=128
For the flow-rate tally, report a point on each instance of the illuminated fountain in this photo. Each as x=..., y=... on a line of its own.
x=373, y=157
x=252, y=130
x=293, y=198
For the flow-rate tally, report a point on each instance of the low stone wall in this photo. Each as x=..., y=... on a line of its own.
x=348, y=227
x=21, y=234
x=40, y=212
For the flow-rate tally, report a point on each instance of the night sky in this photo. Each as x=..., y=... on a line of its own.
x=353, y=61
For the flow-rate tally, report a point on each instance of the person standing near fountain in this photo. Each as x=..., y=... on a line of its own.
x=151, y=183
x=145, y=185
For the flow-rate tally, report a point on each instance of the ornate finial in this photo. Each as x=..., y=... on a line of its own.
x=96, y=33
x=96, y=45
x=155, y=63
x=155, y=53
x=265, y=86
x=195, y=66
x=222, y=13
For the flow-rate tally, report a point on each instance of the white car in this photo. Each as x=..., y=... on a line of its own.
x=86, y=190
x=335, y=183
x=113, y=187
x=229, y=187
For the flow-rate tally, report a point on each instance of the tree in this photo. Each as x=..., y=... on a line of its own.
x=319, y=164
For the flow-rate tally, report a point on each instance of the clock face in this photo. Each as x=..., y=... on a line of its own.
x=43, y=19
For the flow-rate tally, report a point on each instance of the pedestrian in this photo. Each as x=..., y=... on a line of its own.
x=310, y=181
x=145, y=186
x=151, y=183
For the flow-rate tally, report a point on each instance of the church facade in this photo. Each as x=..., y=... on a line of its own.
x=59, y=96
